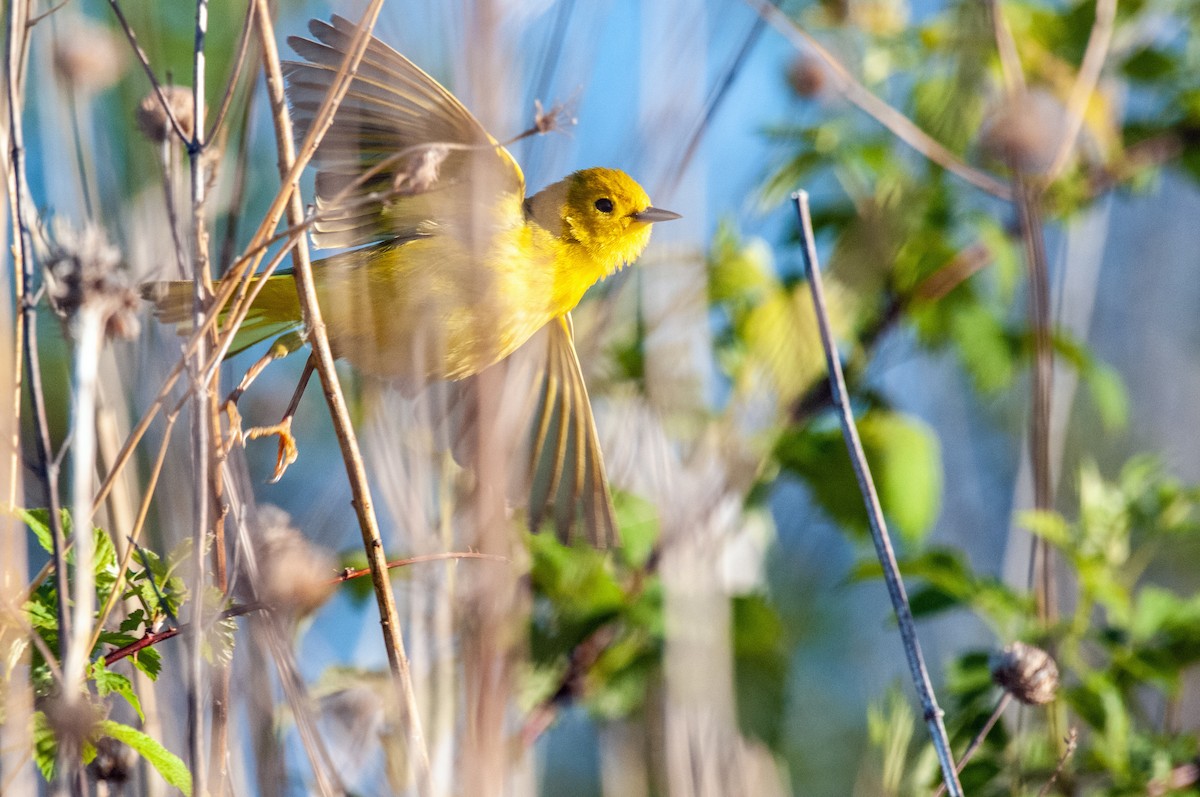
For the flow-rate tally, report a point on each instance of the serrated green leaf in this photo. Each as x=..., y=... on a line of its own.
x=166, y=763
x=148, y=661
x=45, y=747
x=38, y=521
x=108, y=682
x=905, y=463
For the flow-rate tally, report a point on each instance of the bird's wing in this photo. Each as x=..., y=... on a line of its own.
x=567, y=473
x=433, y=165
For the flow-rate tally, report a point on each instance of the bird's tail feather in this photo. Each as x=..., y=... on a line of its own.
x=275, y=311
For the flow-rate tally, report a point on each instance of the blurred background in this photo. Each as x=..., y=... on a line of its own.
x=997, y=187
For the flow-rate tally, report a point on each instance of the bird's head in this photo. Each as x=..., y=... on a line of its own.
x=602, y=212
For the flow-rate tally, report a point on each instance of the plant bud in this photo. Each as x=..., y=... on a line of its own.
x=88, y=56
x=295, y=576
x=807, y=76
x=1024, y=131
x=1028, y=673
x=153, y=121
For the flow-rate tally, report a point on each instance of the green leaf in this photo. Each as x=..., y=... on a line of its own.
x=1150, y=65
x=638, y=521
x=108, y=682
x=169, y=765
x=148, y=661
x=45, y=747
x=38, y=521
x=1050, y=526
x=905, y=462
x=761, y=665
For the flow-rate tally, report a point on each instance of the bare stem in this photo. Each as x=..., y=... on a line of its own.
x=323, y=356
x=1001, y=704
x=879, y=532
x=1085, y=83
x=202, y=447
x=88, y=328
x=45, y=467
x=858, y=94
x=154, y=84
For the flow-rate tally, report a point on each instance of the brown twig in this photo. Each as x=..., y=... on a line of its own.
x=239, y=62
x=339, y=412
x=1072, y=741
x=879, y=533
x=1002, y=704
x=858, y=94
x=143, y=511
x=1085, y=83
x=1028, y=199
x=46, y=467
x=352, y=573
x=154, y=84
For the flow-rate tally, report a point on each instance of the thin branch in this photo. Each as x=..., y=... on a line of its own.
x=1006, y=49
x=1028, y=199
x=352, y=573
x=239, y=62
x=88, y=329
x=305, y=286
x=879, y=532
x=1085, y=83
x=858, y=94
x=143, y=510
x=202, y=413
x=1001, y=704
x=154, y=637
x=45, y=467
x=1072, y=742
x=154, y=84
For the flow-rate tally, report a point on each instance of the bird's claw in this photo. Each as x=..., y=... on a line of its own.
x=288, y=452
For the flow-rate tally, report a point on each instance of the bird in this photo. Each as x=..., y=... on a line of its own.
x=449, y=267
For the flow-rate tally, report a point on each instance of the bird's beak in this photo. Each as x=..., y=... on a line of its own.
x=655, y=214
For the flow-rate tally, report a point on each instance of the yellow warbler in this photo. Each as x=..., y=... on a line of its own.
x=454, y=268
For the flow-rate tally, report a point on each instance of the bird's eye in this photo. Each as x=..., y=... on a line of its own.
x=604, y=205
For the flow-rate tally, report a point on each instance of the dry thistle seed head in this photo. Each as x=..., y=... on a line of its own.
x=73, y=722
x=554, y=118
x=89, y=56
x=153, y=121
x=1024, y=131
x=84, y=269
x=1028, y=673
x=295, y=576
x=807, y=76
x=420, y=170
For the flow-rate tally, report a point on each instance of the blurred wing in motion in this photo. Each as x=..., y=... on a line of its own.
x=432, y=165
x=566, y=465
x=545, y=426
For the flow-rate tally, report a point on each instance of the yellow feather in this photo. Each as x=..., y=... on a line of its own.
x=455, y=269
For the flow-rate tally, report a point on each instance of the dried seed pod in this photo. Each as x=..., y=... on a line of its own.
x=88, y=56
x=1026, y=672
x=72, y=721
x=84, y=269
x=153, y=121
x=295, y=576
x=807, y=76
x=1024, y=131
